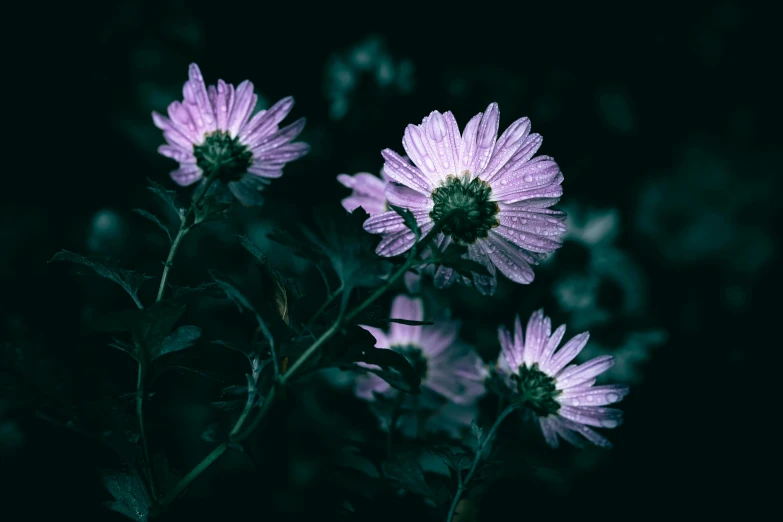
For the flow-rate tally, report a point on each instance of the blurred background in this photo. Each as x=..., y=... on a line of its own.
x=658, y=116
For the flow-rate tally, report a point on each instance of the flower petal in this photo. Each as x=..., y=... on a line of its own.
x=406, y=174
x=412, y=309
x=566, y=354
x=506, y=147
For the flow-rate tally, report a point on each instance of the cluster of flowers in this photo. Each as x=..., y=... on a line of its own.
x=492, y=196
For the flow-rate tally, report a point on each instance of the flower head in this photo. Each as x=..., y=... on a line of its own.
x=369, y=192
x=486, y=193
x=211, y=133
x=561, y=395
x=451, y=373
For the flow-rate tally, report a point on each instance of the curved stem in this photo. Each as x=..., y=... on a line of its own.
x=194, y=474
x=463, y=484
x=238, y=434
x=184, y=228
x=143, y=434
x=170, y=260
x=323, y=307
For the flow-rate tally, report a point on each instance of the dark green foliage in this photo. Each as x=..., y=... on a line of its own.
x=129, y=280
x=154, y=219
x=349, y=248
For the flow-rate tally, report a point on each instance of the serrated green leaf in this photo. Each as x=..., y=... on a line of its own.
x=152, y=217
x=282, y=287
x=350, y=249
x=169, y=197
x=242, y=303
x=409, y=474
x=211, y=209
x=180, y=339
x=477, y=431
x=129, y=280
x=130, y=495
x=149, y=327
x=394, y=369
x=299, y=247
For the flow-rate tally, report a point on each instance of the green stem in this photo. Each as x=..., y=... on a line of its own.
x=321, y=310
x=194, y=474
x=463, y=484
x=238, y=434
x=143, y=434
x=184, y=228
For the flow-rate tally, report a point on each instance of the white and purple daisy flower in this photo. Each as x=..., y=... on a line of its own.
x=369, y=192
x=211, y=133
x=561, y=395
x=452, y=374
x=487, y=193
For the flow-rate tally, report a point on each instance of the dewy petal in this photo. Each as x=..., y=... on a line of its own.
x=486, y=135
x=284, y=153
x=442, y=142
x=412, y=309
x=485, y=284
x=244, y=102
x=416, y=146
x=594, y=395
x=509, y=259
x=506, y=147
x=402, y=241
x=551, y=345
x=593, y=416
x=576, y=375
x=525, y=152
x=530, y=242
x=405, y=197
x=265, y=122
x=537, y=332
x=549, y=432
x=444, y=277
x=201, y=98
x=280, y=137
x=510, y=350
x=566, y=354
x=186, y=175
x=406, y=174
x=531, y=178
x=368, y=192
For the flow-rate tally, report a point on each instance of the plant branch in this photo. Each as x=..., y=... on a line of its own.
x=483, y=443
x=143, y=433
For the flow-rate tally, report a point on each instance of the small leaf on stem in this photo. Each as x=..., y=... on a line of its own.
x=152, y=217
x=129, y=280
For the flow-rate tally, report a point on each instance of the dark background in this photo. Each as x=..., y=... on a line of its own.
x=658, y=116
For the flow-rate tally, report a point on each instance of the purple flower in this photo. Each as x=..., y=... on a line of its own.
x=211, y=132
x=452, y=374
x=561, y=395
x=487, y=193
x=369, y=192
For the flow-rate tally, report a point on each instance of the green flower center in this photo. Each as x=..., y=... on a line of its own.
x=537, y=390
x=415, y=357
x=222, y=155
x=464, y=209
